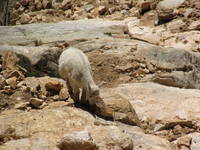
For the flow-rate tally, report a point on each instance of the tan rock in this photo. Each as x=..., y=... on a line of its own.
x=149, y=19
x=41, y=128
x=12, y=82
x=102, y=10
x=56, y=5
x=195, y=25
x=13, y=73
x=38, y=4
x=24, y=19
x=53, y=85
x=35, y=102
x=63, y=94
x=107, y=140
x=48, y=86
x=177, y=26
x=60, y=104
x=68, y=13
x=77, y=141
x=134, y=12
x=9, y=60
x=165, y=9
x=143, y=141
x=190, y=141
x=185, y=40
x=24, y=2
x=46, y=4
x=145, y=33
x=21, y=105
x=88, y=7
x=2, y=82
x=158, y=102
x=116, y=107
x=66, y=4
x=145, y=5
x=184, y=141
x=169, y=4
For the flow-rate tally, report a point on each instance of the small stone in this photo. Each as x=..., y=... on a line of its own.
x=21, y=105
x=53, y=85
x=68, y=13
x=12, y=82
x=24, y=19
x=134, y=12
x=186, y=141
x=38, y=4
x=9, y=74
x=63, y=94
x=46, y=4
x=7, y=87
x=55, y=97
x=102, y=10
x=43, y=105
x=88, y=7
x=36, y=102
x=20, y=84
x=144, y=5
x=66, y=4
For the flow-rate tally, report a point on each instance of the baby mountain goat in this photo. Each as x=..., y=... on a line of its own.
x=75, y=68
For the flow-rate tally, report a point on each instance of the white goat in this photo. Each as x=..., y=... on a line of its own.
x=75, y=68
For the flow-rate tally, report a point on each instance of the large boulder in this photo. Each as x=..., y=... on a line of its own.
x=165, y=9
x=111, y=137
x=115, y=107
x=169, y=4
x=177, y=67
x=42, y=128
x=65, y=127
x=55, y=33
x=154, y=102
x=36, y=60
x=98, y=137
x=45, y=87
x=143, y=141
x=190, y=142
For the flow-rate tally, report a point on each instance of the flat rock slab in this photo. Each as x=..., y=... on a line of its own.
x=158, y=102
x=54, y=32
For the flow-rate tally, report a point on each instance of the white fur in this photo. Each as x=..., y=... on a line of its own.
x=75, y=68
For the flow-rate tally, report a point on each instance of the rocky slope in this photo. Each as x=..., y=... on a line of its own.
x=145, y=58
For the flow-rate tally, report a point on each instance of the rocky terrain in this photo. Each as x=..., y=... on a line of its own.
x=145, y=58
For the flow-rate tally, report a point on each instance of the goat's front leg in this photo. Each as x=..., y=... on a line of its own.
x=76, y=93
x=69, y=87
x=83, y=96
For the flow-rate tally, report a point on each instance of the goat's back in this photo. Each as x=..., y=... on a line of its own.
x=73, y=60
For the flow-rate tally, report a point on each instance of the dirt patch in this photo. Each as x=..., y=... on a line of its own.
x=103, y=68
x=9, y=101
x=111, y=70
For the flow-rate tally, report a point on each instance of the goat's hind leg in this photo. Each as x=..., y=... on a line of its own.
x=73, y=90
